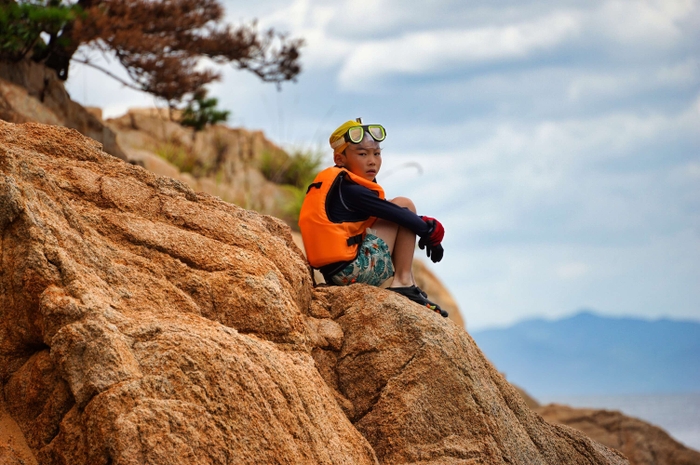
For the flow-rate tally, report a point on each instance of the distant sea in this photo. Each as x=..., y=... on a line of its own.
x=677, y=414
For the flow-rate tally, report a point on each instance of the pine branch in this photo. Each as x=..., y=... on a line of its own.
x=108, y=73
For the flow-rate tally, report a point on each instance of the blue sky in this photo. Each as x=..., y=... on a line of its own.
x=558, y=142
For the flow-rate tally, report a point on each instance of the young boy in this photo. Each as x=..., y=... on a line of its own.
x=345, y=201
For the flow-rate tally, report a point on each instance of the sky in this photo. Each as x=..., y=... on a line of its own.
x=557, y=142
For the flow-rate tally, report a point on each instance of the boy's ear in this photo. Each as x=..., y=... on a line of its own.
x=338, y=159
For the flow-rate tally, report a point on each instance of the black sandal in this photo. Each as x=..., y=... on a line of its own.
x=415, y=294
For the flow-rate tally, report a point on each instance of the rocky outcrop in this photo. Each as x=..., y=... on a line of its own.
x=142, y=322
x=226, y=160
x=30, y=92
x=641, y=442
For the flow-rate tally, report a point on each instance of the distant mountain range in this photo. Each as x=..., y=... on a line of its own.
x=591, y=354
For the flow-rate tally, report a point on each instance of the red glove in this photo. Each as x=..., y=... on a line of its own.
x=431, y=242
x=435, y=233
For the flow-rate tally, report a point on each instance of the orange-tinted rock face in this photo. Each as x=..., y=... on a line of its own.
x=144, y=323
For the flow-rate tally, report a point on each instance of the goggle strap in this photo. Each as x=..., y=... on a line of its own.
x=337, y=143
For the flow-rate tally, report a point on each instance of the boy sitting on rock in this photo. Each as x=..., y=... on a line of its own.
x=345, y=201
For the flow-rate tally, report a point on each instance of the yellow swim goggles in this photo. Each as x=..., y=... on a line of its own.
x=356, y=133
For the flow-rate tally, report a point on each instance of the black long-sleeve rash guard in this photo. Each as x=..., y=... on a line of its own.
x=349, y=201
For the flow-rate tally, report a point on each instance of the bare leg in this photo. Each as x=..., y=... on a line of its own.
x=401, y=243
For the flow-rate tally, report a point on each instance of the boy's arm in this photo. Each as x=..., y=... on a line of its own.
x=361, y=199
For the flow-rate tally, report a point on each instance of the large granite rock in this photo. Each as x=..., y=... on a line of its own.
x=142, y=322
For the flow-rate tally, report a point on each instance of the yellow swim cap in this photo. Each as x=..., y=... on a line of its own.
x=339, y=133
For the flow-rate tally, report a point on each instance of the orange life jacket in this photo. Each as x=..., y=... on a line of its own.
x=327, y=242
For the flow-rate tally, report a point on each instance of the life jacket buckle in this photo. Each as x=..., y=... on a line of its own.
x=355, y=240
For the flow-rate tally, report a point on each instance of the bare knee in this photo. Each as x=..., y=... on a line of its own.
x=404, y=202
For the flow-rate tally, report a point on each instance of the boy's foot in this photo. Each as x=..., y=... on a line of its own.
x=415, y=294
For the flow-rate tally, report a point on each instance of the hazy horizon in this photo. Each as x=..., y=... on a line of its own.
x=584, y=311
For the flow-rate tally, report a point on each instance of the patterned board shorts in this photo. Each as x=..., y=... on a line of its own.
x=372, y=266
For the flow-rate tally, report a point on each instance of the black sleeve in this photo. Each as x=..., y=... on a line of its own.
x=360, y=199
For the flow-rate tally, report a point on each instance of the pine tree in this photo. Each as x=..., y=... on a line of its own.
x=201, y=111
x=159, y=42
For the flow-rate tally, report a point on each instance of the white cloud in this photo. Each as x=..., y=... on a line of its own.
x=656, y=22
x=686, y=72
x=308, y=20
x=572, y=270
x=552, y=181
x=616, y=83
x=377, y=44
x=546, y=146
x=440, y=50
x=691, y=171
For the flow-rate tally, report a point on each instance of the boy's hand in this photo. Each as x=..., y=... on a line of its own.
x=432, y=241
x=434, y=252
x=435, y=233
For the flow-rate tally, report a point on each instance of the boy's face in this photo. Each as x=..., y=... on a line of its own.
x=363, y=159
